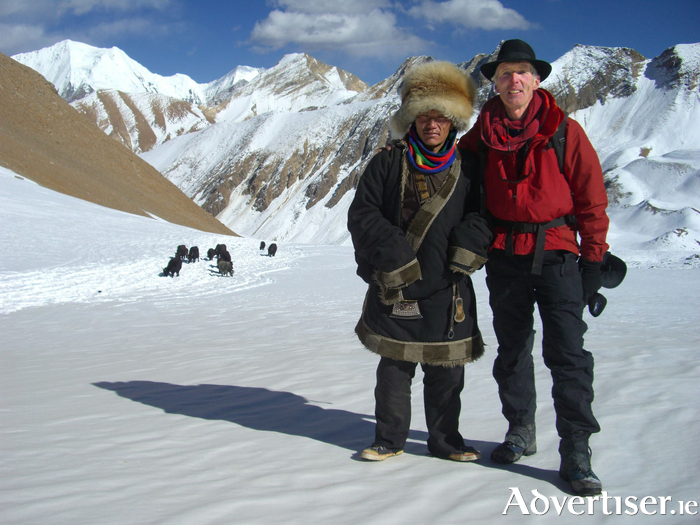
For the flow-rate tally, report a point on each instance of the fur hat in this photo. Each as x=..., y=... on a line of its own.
x=438, y=86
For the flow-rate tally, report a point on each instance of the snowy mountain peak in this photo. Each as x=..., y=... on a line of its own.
x=291, y=57
x=304, y=67
x=589, y=74
x=678, y=65
x=78, y=69
x=298, y=82
x=223, y=88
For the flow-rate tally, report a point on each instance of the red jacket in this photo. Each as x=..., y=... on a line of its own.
x=541, y=193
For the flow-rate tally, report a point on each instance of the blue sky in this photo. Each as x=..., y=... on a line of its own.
x=205, y=39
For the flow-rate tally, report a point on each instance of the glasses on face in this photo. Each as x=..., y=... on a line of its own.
x=440, y=120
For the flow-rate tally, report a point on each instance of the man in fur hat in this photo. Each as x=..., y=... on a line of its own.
x=536, y=213
x=418, y=236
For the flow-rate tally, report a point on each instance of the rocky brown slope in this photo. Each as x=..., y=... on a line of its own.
x=46, y=140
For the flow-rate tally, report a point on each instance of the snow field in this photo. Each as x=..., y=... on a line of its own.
x=217, y=400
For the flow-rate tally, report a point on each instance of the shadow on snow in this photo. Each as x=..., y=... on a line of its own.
x=274, y=411
x=256, y=408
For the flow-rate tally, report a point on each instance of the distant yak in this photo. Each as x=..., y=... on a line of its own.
x=173, y=268
x=272, y=250
x=225, y=267
x=220, y=248
x=194, y=254
x=181, y=251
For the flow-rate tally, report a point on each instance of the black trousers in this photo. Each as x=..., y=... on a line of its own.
x=558, y=292
x=442, y=387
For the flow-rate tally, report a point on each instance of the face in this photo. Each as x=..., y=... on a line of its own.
x=433, y=129
x=516, y=83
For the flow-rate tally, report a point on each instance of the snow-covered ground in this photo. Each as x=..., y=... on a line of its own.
x=131, y=398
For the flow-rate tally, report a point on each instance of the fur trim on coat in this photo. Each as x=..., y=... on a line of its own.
x=439, y=86
x=446, y=230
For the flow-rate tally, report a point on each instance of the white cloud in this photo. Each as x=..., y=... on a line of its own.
x=358, y=33
x=54, y=9
x=15, y=38
x=29, y=25
x=369, y=28
x=80, y=7
x=473, y=14
x=326, y=7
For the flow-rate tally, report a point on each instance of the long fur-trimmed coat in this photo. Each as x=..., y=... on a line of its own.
x=427, y=261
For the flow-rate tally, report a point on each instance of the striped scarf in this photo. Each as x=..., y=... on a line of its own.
x=427, y=161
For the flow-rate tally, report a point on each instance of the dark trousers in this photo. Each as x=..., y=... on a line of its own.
x=442, y=387
x=558, y=292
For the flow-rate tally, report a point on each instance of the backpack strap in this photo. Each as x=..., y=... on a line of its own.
x=483, y=154
x=558, y=142
x=540, y=229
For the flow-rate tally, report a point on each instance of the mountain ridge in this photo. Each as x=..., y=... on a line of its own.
x=280, y=157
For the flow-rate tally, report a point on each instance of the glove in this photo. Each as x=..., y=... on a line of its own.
x=591, y=277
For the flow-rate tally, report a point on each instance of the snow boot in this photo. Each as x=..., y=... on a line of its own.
x=576, y=466
x=520, y=441
x=467, y=453
x=379, y=453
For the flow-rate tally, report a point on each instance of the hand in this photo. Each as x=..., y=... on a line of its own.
x=390, y=144
x=591, y=278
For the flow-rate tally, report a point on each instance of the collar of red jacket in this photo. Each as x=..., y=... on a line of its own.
x=541, y=120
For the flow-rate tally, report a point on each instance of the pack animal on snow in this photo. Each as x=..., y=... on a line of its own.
x=225, y=267
x=220, y=248
x=173, y=268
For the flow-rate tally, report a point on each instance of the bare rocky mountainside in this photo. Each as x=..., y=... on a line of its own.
x=46, y=140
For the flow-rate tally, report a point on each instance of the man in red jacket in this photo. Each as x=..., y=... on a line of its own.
x=536, y=214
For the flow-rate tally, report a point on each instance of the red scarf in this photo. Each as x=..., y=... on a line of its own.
x=495, y=124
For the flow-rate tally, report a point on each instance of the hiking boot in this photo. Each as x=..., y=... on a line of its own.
x=583, y=483
x=465, y=454
x=576, y=466
x=519, y=441
x=379, y=453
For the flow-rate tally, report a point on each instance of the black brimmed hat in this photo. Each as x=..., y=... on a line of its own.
x=516, y=51
x=612, y=273
x=613, y=270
